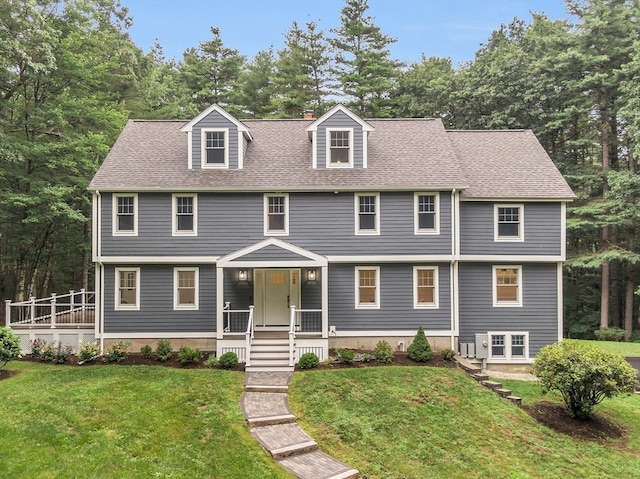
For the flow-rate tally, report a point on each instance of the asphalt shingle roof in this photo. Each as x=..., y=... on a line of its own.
x=403, y=154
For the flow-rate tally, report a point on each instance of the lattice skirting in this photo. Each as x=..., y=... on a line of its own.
x=74, y=338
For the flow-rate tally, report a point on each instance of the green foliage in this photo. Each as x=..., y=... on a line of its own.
x=37, y=346
x=228, y=360
x=187, y=355
x=117, y=352
x=9, y=346
x=146, y=351
x=635, y=337
x=55, y=352
x=164, y=350
x=448, y=354
x=583, y=374
x=211, y=361
x=88, y=351
x=609, y=334
x=420, y=349
x=346, y=356
x=383, y=352
x=308, y=361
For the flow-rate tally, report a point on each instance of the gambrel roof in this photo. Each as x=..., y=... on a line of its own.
x=403, y=154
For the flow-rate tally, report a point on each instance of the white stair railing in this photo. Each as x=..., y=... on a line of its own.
x=249, y=338
x=292, y=335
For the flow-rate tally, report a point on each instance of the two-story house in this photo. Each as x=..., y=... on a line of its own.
x=328, y=232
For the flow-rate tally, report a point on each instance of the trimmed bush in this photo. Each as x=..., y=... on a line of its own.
x=88, y=351
x=383, y=352
x=448, y=354
x=584, y=375
x=610, y=334
x=37, y=345
x=117, y=352
x=346, y=356
x=187, y=355
x=420, y=349
x=146, y=351
x=55, y=352
x=211, y=361
x=9, y=346
x=164, y=350
x=228, y=360
x=308, y=361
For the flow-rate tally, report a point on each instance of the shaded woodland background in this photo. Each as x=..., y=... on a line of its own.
x=70, y=77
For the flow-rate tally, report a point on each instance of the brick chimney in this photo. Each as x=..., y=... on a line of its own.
x=308, y=115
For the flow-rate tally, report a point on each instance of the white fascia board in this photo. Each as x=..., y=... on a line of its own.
x=398, y=258
x=313, y=259
x=515, y=199
x=508, y=258
x=241, y=126
x=158, y=259
x=365, y=126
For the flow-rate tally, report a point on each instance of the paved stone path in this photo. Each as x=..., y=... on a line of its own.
x=266, y=408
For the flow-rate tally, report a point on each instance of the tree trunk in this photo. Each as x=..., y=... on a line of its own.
x=615, y=300
x=604, y=290
x=628, y=305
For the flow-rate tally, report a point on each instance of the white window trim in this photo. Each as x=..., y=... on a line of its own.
x=416, y=217
x=114, y=215
x=357, y=286
x=356, y=198
x=506, y=304
x=192, y=307
x=174, y=215
x=508, y=239
x=416, y=304
x=328, y=148
x=507, y=345
x=267, y=231
x=203, y=149
x=126, y=307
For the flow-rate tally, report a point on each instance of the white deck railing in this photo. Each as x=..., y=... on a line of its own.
x=308, y=320
x=292, y=335
x=235, y=320
x=73, y=309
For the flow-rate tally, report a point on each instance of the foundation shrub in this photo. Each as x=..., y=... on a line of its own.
x=188, y=355
x=163, y=350
x=88, y=351
x=211, y=361
x=383, y=352
x=420, y=349
x=9, y=346
x=37, y=346
x=55, y=352
x=448, y=354
x=346, y=356
x=117, y=352
x=308, y=361
x=228, y=360
x=146, y=351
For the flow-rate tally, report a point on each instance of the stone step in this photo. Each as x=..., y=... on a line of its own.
x=503, y=392
x=271, y=420
x=491, y=384
x=270, y=369
x=256, y=388
x=316, y=464
x=515, y=399
x=480, y=376
x=269, y=362
x=283, y=440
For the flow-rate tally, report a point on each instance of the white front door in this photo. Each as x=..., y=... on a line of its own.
x=275, y=291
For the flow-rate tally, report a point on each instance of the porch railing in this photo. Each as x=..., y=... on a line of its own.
x=249, y=337
x=292, y=335
x=308, y=320
x=77, y=308
x=235, y=320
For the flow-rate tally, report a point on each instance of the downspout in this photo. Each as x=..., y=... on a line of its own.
x=453, y=270
x=100, y=276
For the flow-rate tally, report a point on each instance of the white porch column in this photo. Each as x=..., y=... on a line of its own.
x=219, y=302
x=324, y=279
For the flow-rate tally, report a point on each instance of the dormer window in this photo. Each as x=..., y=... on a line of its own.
x=340, y=148
x=215, y=150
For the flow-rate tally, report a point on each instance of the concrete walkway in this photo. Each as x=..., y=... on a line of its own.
x=266, y=408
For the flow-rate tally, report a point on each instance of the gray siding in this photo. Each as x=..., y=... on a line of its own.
x=311, y=292
x=215, y=120
x=542, y=230
x=320, y=222
x=238, y=293
x=396, y=300
x=339, y=120
x=272, y=253
x=538, y=314
x=156, y=314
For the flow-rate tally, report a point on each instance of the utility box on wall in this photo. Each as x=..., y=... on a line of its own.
x=482, y=346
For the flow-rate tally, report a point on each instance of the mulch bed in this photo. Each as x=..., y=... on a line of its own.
x=399, y=359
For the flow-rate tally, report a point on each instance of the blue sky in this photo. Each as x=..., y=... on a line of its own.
x=443, y=28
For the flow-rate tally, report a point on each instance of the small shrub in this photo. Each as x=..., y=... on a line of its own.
x=609, y=334
x=48, y=352
x=187, y=355
x=146, y=352
x=117, y=352
x=583, y=374
x=55, y=352
x=211, y=361
x=88, y=351
x=367, y=357
x=9, y=346
x=308, y=361
x=383, y=352
x=448, y=354
x=228, y=360
x=420, y=349
x=164, y=350
x=635, y=336
x=346, y=356
x=36, y=347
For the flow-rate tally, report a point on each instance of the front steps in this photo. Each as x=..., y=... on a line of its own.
x=269, y=352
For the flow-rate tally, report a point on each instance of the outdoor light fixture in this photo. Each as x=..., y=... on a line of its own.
x=311, y=275
x=242, y=275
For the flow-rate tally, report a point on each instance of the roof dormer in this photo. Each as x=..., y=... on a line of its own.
x=339, y=139
x=216, y=140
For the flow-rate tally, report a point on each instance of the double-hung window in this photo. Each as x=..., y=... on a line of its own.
x=367, y=287
x=185, y=215
x=509, y=345
x=425, y=286
x=426, y=219
x=185, y=288
x=340, y=148
x=127, y=294
x=367, y=216
x=125, y=215
x=215, y=148
x=507, y=286
x=276, y=215
x=508, y=222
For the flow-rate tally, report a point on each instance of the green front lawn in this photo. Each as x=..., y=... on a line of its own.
x=625, y=349
x=417, y=422
x=126, y=422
